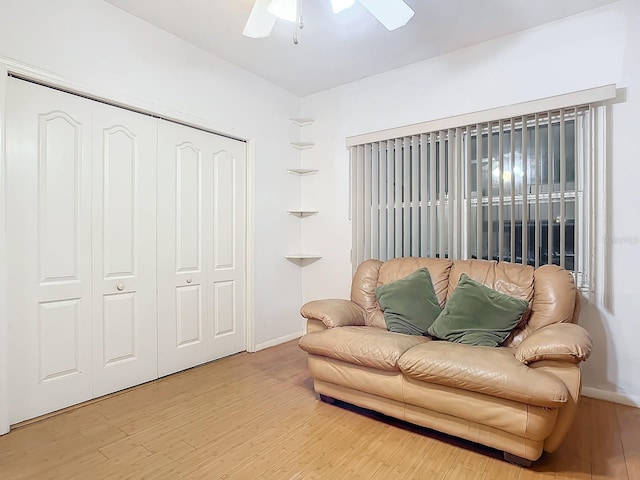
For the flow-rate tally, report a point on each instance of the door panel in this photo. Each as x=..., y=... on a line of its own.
x=182, y=308
x=200, y=204
x=59, y=196
x=189, y=316
x=58, y=346
x=48, y=241
x=224, y=210
x=224, y=315
x=188, y=208
x=121, y=157
x=227, y=271
x=119, y=328
x=124, y=257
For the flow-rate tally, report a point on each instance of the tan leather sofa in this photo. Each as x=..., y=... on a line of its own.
x=519, y=398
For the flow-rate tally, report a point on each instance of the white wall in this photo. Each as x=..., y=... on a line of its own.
x=592, y=49
x=98, y=46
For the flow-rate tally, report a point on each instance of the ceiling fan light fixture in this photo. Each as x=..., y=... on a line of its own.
x=340, y=5
x=260, y=21
x=284, y=9
x=390, y=13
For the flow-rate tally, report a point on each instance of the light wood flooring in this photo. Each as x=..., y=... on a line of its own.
x=255, y=416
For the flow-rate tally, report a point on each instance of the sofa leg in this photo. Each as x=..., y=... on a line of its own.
x=329, y=400
x=511, y=458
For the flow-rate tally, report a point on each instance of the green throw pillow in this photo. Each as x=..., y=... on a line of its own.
x=477, y=315
x=410, y=304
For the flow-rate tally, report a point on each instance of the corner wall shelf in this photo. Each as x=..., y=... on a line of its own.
x=302, y=256
x=302, y=259
x=302, y=171
x=302, y=213
x=302, y=122
x=302, y=145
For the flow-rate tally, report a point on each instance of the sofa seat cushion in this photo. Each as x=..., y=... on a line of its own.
x=489, y=370
x=366, y=346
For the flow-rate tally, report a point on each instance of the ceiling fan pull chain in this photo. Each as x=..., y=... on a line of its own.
x=300, y=23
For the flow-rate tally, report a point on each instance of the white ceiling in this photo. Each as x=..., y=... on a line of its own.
x=337, y=49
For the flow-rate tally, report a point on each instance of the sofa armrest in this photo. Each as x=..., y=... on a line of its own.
x=334, y=312
x=566, y=342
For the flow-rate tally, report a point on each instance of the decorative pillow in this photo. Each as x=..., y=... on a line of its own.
x=410, y=304
x=477, y=315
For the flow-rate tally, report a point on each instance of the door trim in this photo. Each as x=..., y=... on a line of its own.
x=4, y=320
x=250, y=245
x=10, y=67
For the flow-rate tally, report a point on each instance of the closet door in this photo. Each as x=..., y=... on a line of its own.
x=201, y=247
x=81, y=238
x=227, y=263
x=124, y=254
x=48, y=225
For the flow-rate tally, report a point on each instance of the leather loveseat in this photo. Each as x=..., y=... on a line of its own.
x=519, y=397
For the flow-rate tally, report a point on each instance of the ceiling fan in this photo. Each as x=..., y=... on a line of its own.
x=390, y=13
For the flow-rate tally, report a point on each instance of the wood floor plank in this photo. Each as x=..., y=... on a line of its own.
x=147, y=466
x=327, y=452
x=572, y=460
x=628, y=424
x=373, y=453
x=497, y=469
x=255, y=416
x=228, y=440
x=292, y=447
x=467, y=465
x=607, y=455
x=111, y=468
x=405, y=458
x=337, y=424
x=436, y=462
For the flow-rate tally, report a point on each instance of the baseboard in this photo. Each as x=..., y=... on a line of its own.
x=609, y=396
x=278, y=341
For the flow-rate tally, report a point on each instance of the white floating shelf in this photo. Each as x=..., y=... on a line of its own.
x=302, y=145
x=302, y=256
x=302, y=213
x=302, y=122
x=302, y=171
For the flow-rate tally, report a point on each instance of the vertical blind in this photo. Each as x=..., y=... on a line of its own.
x=509, y=190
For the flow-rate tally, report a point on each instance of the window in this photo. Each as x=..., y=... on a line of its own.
x=515, y=189
x=524, y=196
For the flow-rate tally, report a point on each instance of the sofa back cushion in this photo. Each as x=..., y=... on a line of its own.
x=409, y=304
x=371, y=274
x=549, y=289
x=555, y=300
x=363, y=292
x=478, y=315
x=511, y=279
x=397, y=268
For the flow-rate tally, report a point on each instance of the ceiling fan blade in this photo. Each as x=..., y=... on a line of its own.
x=339, y=5
x=390, y=13
x=260, y=21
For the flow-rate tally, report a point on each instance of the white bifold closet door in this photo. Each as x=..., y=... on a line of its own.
x=81, y=259
x=125, y=342
x=125, y=241
x=201, y=247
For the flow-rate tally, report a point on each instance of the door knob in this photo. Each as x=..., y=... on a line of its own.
x=188, y=280
x=120, y=287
